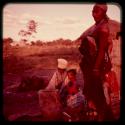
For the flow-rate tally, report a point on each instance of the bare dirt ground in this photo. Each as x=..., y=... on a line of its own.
x=24, y=106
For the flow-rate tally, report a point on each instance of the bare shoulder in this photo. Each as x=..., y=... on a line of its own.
x=104, y=28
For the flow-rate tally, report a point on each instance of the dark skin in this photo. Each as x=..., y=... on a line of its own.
x=93, y=71
x=98, y=15
x=71, y=76
x=61, y=70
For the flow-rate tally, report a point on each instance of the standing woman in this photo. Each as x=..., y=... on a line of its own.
x=94, y=47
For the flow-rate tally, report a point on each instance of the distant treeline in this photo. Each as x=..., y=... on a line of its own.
x=61, y=41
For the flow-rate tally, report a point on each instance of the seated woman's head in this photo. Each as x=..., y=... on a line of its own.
x=62, y=65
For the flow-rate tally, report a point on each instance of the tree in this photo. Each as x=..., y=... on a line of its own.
x=30, y=29
x=31, y=25
x=7, y=42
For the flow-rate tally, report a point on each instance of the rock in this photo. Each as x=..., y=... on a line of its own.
x=50, y=105
x=25, y=117
x=29, y=83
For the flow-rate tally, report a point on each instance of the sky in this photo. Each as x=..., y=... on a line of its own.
x=54, y=21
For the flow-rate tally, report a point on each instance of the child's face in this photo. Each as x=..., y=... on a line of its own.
x=71, y=76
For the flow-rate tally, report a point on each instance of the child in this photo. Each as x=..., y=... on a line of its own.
x=70, y=87
x=72, y=97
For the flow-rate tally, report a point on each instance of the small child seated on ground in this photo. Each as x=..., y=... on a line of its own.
x=71, y=87
x=72, y=97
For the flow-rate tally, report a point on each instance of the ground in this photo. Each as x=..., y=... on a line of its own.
x=24, y=106
x=39, y=61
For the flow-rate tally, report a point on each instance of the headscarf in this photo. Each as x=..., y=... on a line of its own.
x=102, y=6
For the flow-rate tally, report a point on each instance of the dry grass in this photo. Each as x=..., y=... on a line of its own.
x=19, y=59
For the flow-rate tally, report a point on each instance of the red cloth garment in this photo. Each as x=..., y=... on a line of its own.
x=72, y=88
x=113, y=82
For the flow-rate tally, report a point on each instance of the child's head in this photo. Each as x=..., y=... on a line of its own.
x=71, y=74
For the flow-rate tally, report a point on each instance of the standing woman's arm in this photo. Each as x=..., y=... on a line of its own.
x=103, y=41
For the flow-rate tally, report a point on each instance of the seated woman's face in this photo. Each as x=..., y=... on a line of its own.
x=61, y=70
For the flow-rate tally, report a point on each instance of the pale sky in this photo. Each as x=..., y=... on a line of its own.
x=55, y=21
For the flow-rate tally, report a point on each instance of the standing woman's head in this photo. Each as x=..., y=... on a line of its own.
x=99, y=12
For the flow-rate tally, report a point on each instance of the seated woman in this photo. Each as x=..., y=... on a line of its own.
x=59, y=75
x=50, y=105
